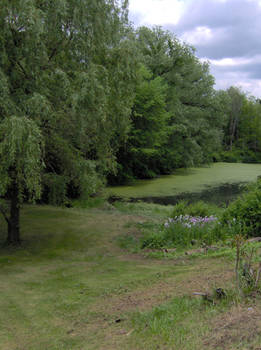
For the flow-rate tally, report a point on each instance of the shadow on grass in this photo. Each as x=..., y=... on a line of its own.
x=46, y=233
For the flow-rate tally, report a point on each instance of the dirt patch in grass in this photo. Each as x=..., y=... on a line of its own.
x=204, y=276
x=241, y=325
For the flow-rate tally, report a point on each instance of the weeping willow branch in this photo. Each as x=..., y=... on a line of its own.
x=4, y=214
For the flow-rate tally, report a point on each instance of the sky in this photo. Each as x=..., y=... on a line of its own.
x=226, y=33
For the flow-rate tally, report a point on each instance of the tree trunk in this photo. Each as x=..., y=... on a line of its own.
x=13, y=236
x=233, y=127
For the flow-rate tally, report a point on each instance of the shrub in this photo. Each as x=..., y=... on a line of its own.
x=200, y=209
x=180, y=208
x=55, y=189
x=154, y=241
x=244, y=215
x=234, y=156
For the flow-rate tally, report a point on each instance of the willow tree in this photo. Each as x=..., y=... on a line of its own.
x=21, y=163
x=62, y=63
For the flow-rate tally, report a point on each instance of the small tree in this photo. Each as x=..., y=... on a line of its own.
x=20, y=168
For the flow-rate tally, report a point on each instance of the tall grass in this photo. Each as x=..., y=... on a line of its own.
x=179, y=324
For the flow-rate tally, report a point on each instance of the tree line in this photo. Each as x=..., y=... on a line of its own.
x=86, y=99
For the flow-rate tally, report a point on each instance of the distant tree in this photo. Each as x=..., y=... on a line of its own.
x=236, y=103
x=243, y=126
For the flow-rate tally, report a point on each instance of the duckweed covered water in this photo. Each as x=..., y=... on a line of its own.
x=217, y=183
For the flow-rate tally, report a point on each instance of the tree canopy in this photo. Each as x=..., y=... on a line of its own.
x=63, y=66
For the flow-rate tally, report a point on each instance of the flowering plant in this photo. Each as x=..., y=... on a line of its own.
x=190, y=221
x=181, y=230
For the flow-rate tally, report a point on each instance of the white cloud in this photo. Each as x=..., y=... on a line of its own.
x=198, y=35
x=157, y=12
x=225, y=62
x=249, y=86
x=235, y=61
x=240, y=79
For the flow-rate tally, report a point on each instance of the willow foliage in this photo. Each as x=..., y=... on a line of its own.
x=62, y=65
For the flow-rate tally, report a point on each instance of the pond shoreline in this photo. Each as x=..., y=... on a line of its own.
x=219, y=184
x=219, y=195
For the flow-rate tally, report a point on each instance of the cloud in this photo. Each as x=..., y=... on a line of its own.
x=225, y=32
x=155, y=12
x=198, y=35
x=234, y=26
x=241, y=72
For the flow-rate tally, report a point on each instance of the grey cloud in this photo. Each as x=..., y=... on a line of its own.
x=252, y=71
x=217, y=14
x=235, y=25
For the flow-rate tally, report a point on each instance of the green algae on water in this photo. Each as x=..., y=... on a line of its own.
x=189, y=180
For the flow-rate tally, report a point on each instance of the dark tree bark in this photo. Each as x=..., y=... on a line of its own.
x=13, y=235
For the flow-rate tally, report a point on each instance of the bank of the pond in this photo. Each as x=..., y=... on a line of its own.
x=220, y=182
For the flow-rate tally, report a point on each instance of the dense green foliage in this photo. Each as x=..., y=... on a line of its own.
x=199, y=208
x=242, y=132
x=66, y=71
x=177, y=116
x=243, y=216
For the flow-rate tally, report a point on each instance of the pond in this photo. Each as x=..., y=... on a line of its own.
x=218, y=183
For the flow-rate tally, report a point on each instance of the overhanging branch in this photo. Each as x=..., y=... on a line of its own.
x=4, y=214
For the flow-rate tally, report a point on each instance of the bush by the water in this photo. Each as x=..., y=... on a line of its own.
x=184, y=230
x=199, y=208
x=244, y=215
x=202, y=223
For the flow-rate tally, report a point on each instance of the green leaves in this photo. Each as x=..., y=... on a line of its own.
x=175, y=116
x=68, y=68
x=21, y=148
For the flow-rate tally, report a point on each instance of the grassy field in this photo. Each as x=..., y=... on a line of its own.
x=71, y=286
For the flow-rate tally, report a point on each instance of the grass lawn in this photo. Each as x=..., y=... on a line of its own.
x=71, y=286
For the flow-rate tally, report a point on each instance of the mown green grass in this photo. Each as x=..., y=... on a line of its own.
x=66, y=262
x=69, y=282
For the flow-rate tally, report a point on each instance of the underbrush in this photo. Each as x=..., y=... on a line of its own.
x=201, y=224
x=244, y=214
x=183, y=231
x=199, y=208
x=188, y=225
x=92, y=202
